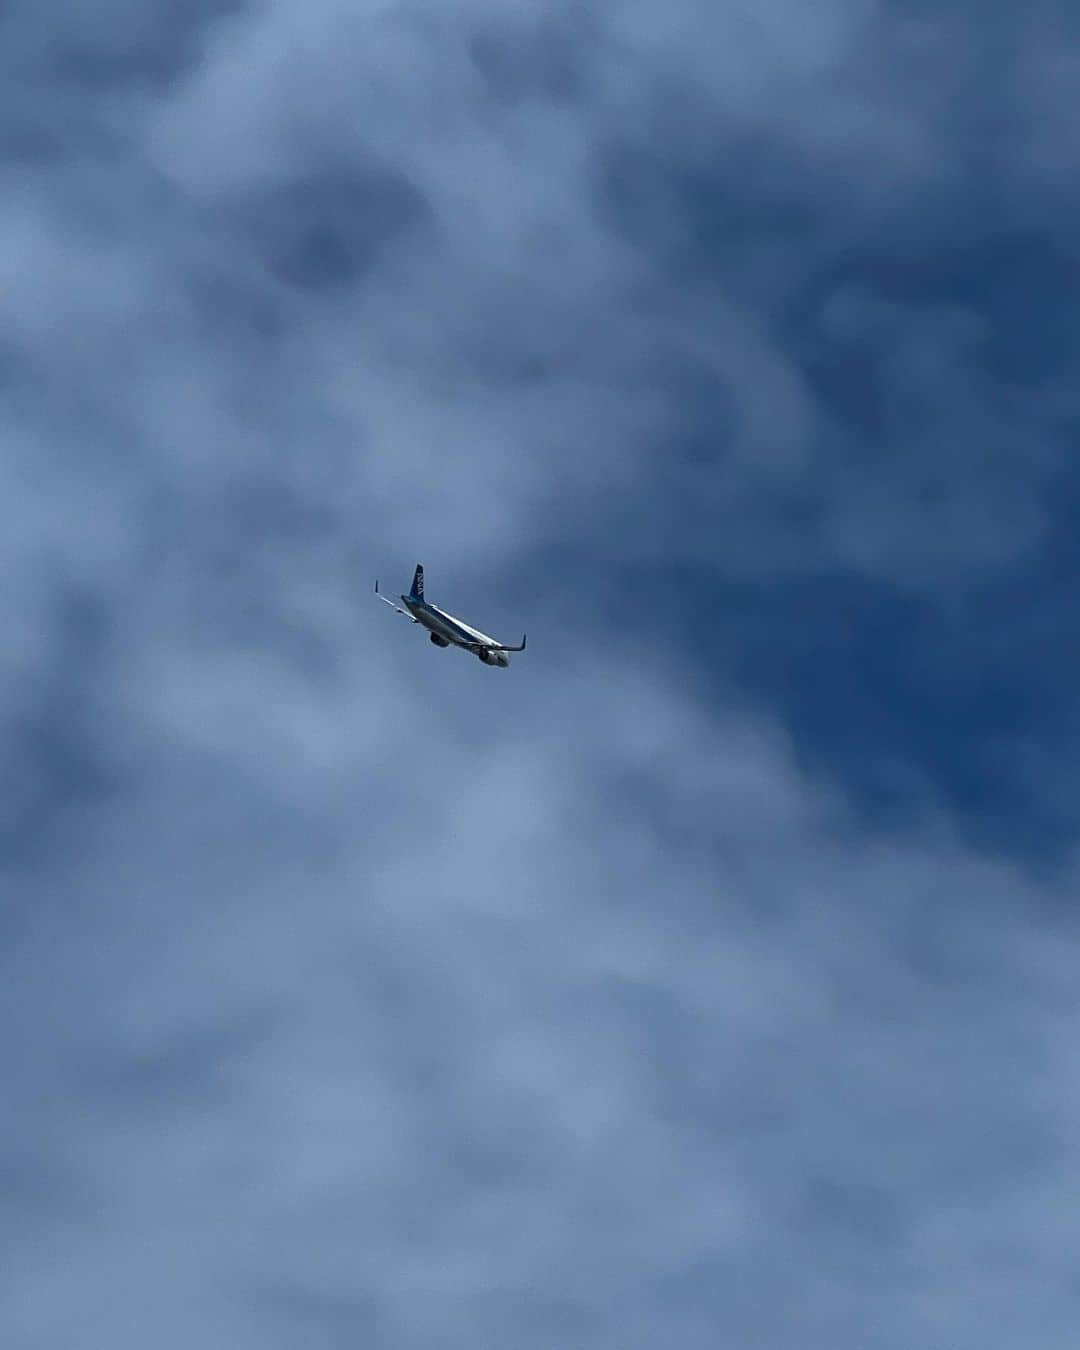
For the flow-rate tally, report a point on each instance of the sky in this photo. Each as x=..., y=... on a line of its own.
x=708, y=977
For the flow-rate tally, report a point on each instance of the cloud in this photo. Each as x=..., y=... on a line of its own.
x=629, y=1005
x=687, y=978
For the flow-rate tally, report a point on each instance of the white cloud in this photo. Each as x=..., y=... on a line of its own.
x=475, y=1016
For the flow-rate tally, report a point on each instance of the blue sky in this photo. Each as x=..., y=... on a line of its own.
x=709, y=976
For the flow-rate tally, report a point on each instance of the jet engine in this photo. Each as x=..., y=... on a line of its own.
x=438, y=641
x=491, y=658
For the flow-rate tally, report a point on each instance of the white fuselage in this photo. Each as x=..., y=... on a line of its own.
x=452, y=630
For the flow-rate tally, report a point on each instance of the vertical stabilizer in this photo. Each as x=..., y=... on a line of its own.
x=417, y=592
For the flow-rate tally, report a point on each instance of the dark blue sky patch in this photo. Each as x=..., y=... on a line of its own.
x=935, y=351
x=893, y=692
x=860, y=1213
x=61, y=761
x=324, y=231
x=119, y=44
x=550, y=59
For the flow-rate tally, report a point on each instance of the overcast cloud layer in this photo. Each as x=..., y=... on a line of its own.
x=709, y=977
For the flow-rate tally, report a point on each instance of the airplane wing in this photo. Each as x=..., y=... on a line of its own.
x=479, y=646
x=393, y=606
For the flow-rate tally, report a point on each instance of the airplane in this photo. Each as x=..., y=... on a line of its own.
x=444, y=630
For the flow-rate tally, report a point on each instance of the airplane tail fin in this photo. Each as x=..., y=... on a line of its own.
x=417, y=592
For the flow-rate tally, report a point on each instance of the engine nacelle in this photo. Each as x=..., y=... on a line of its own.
x=490, y=658
x=438, y=641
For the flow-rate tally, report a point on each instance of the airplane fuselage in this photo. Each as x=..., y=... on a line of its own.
x=452, y=630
